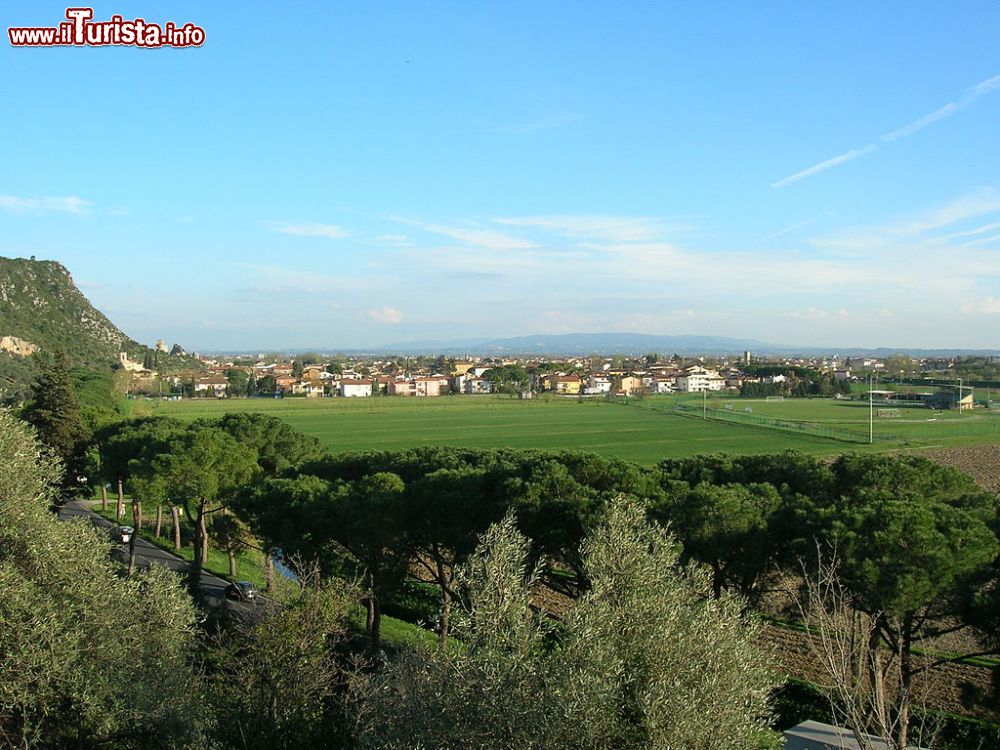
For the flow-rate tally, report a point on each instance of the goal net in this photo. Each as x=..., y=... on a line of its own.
x=775, y=398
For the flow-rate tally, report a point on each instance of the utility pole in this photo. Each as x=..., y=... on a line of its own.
x=704, y=404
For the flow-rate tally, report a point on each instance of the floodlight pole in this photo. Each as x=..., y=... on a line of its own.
x=871, y=414
x=704, y=404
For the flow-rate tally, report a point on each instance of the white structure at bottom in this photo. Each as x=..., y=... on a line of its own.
x=814, y=735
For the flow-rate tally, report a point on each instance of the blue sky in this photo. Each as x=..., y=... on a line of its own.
x=331, y=174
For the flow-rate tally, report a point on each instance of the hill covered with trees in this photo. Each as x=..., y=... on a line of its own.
x=42, y=312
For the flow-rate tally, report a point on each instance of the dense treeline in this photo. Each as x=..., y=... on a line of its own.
x=92, y=657
x=916, y=542
x=799, y=381
x=697, y=541
x=745, y=518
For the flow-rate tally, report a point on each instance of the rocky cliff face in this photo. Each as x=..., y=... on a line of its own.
x=14, y=345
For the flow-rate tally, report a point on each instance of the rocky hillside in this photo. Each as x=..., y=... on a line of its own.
x=42, y=311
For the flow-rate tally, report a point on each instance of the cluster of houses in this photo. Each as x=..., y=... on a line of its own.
x=316, y=381
x=580, y=376
x=469, y=378
x=655, y=379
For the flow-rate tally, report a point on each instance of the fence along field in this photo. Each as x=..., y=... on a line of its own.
x=642, y=430
x=843, y=420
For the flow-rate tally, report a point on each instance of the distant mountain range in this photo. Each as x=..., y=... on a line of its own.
x=42, y=310
x=584, y=344
x=575, y=344
x=580, y=344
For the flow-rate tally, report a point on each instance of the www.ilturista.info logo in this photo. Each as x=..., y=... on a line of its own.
x=80, y=30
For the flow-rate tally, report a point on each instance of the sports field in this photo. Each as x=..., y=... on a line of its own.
x=643, y=431
x=900, y=425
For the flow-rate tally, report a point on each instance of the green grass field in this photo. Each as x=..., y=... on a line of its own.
x=644, y=431
x=910, y=425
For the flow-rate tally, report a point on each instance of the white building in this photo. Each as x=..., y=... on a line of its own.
x=477, y=385
x=599, y=383
x=663, y=385
x=350, y=388
x=128, y=364
x=698, y=379
x=214, y=384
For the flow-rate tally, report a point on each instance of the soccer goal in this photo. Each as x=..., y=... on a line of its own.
x=888, y=412
x=775, y=398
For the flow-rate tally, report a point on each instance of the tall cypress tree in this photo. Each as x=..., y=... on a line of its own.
x=55, y=412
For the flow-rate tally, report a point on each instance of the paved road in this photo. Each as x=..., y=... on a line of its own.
x=146, y=553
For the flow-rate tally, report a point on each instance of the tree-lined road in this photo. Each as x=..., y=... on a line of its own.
x=146, y=553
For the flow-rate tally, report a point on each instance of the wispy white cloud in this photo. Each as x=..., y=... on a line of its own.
x=512, y=264
x=609, y=228
x=982, y=241
x=843, y=158
x=478, y=237
x=387, y=315
x=392, y=240
x=920, y=230
x=68, y=204
x=972, y=232
x=840, y=281
x=275, y=280
x=330, y=231
x=787, y=230
x=986, y=305
x=984, y=202
x=969, y=97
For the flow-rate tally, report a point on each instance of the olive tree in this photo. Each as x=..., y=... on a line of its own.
x=88, y=658
x=279, y=681
x=647, y=658
x=652, y=658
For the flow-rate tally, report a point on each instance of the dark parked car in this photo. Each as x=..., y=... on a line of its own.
x=243, y=591
x=122, y=534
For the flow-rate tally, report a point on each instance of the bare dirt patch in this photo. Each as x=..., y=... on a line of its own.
x=981, y=462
